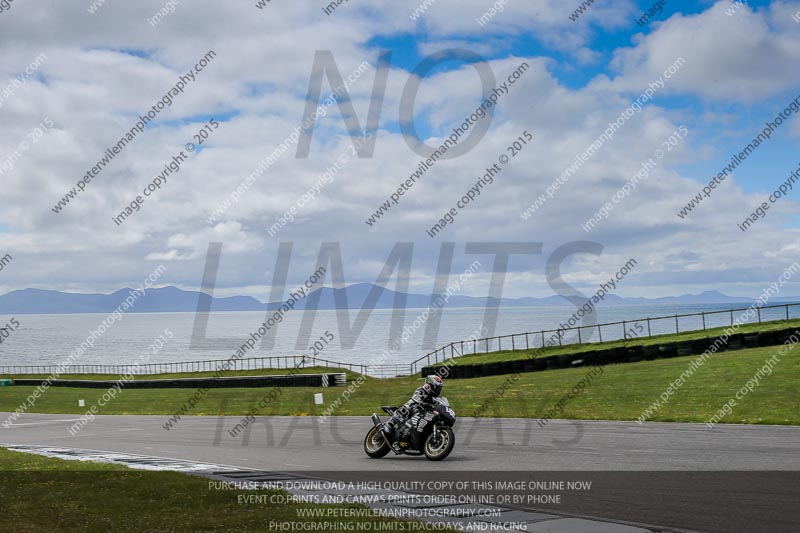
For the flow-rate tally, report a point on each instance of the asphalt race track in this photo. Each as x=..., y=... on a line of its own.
x=679, y=476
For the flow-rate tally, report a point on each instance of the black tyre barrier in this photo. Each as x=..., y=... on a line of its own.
x=751, y=340
x=506, y=367
x=635, y=353
x=793, y=330
x=603, y=357
x=736, y=342
x=449, y=372
x=618, y=355
x=455, y=372
x=565, y=361
x=785, y=335
x=577, y=362
x=684, y=348
x=669, y=349
x=780, y=336
x=470, y=371
x=552, y=361
x=297, y=380
x=589, y=358
x=701, y=345
x=768, y=338
x=529, y=365
x=493, y=369
x=518, y=366
x=651, y=351
x=540, y=363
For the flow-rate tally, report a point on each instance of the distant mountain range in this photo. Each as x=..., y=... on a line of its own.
x=173, y=299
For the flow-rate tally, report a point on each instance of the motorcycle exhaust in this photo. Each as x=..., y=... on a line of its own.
x=376, y=419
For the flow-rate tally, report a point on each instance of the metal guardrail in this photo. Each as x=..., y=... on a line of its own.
x=537, y=339
x=253, y=363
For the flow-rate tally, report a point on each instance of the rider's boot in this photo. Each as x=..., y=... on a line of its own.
x=387, y=435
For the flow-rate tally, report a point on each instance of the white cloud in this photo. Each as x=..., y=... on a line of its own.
x=93, y=91
x=746, y=57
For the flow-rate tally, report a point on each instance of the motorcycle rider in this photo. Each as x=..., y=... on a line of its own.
x=423, y=396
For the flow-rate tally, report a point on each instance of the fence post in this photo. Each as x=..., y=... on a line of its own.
x=759, y=314
x=703, y=314
x=731, y=317
x=676, y=324
x=527, y=344
x=580, y=341
x=787, y=311
x=559, y=337
x=624, y=332
x=600, y=333
x=513, y=347
x=542, y=332
x=648, y=328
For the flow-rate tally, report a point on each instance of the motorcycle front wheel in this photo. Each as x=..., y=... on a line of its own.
x=374, y=443
x=439, y=444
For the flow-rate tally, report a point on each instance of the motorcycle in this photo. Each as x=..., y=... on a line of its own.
x=426, y=431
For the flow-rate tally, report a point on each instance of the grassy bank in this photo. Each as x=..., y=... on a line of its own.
x=513, y=355
x=45, y=494
x=621, y=392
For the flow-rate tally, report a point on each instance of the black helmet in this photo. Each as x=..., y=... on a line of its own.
x=433, y=385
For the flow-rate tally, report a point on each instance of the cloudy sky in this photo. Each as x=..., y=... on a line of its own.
x=99, y=66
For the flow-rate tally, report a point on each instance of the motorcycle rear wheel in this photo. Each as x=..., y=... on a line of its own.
x=437, y=449
x=374, y=444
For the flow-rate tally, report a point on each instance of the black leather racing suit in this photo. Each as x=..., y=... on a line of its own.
x=420, y=397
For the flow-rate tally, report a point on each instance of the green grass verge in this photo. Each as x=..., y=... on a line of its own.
x=513, y=355
x=621, y=392
x=45, y=494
